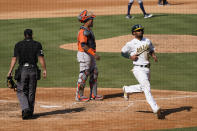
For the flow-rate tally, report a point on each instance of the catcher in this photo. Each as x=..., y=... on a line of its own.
x=26, y=52
x=87, y=57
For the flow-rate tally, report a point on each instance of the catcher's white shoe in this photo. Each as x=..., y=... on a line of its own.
x=126, y=96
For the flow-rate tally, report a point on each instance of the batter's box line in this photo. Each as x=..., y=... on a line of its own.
x=6, y=101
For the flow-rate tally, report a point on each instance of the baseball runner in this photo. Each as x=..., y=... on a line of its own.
x=87, y=57
x=138, y=50
x=140, y=2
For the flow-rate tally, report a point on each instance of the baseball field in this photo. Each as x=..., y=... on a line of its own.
x=173, y=31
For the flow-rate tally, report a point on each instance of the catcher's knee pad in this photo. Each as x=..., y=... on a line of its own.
x=83, y=76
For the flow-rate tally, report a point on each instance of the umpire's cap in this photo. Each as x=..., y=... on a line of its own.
x=28, y=32
x=137, y=27
x=85, y=15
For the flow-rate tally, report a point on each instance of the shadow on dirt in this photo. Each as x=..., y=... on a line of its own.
x=64, y=111
x=178, y=3
x=166, y=112
x=108, y=96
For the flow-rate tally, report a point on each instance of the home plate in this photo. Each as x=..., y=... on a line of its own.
x=47, y=106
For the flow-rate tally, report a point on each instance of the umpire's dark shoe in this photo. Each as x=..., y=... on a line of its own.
x=26, y=114
x=160, y=114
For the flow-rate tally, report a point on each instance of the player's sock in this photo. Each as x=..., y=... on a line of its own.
x=129, y=8
x=142, y=8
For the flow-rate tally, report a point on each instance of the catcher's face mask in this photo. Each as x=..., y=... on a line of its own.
x=85, y=15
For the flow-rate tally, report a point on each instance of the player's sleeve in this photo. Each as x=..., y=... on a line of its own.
x=151, y=47
x=39, y=50
x=125, y=51
x=132, y=52
x=83, y=37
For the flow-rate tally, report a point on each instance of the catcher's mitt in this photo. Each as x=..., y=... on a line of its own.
x=10, y=83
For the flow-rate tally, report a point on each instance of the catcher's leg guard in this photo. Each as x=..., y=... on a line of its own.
x=81, y=85
x=93, y=81
x=93, y=85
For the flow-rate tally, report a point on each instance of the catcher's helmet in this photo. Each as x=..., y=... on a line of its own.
x=84, y=16
x=137, y=27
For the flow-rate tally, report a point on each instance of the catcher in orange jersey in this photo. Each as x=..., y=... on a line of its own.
x=87, y=57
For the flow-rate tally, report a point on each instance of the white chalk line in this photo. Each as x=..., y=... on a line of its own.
x=41, y=105
x=5, y=101
x=45, y=105
x=49, y=106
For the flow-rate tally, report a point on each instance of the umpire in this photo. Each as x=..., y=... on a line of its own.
x=27, y=52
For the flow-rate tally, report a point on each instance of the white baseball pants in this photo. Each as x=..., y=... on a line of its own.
x=143, y=77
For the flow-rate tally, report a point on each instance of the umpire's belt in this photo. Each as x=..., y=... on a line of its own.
x=147, y=66
x=28, y=65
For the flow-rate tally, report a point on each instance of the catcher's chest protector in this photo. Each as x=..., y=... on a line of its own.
x=86, y=36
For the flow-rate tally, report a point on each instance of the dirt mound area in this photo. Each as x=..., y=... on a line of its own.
x=16, y=9
x=162, y=43
x=56, y=109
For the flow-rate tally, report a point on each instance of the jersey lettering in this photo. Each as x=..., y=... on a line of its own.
x=142, y=48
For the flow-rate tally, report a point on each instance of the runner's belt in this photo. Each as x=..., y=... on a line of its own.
x=147, y=66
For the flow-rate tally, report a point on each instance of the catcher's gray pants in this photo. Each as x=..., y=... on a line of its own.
x=88, y=67
x=26, y=88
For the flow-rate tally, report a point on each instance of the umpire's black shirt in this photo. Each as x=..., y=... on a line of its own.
x=27, y=51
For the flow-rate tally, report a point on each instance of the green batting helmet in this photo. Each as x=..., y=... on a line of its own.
x=137, y=27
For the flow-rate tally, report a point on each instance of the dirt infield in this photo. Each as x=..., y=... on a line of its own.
x=16, y=9
x=56, y=110
x=162, y=43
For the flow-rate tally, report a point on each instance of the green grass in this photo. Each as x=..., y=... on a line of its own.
x=180, y=129
x=173, y=72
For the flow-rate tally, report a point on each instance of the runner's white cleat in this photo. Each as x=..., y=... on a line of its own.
x=126, y=96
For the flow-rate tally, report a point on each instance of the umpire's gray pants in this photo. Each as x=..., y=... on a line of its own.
x=26, y=88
